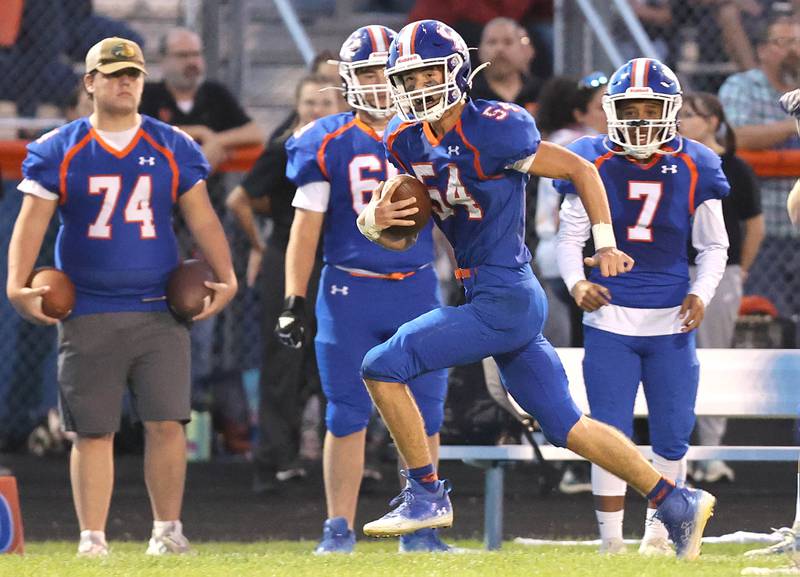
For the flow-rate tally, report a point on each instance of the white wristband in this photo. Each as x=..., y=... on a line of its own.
x=368, y=229
x=603, y=235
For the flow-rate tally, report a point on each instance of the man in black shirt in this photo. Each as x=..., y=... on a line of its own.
x=288, y=376
x=205, y=109
x=505, y=44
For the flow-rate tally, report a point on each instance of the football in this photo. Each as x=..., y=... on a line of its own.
x=408, y=187
x=186, y=288
x=59, y=301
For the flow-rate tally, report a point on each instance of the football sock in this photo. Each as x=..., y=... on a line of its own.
x=661, y=491
x=425, y=476
x=164, y=527
x=610, y=524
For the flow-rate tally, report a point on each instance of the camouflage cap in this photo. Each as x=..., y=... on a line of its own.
x=113, y=54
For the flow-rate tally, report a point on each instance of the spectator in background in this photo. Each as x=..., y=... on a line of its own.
x=506, y=47
x=703, y=119
x=203, y=108
x=288, y=376
x=750, y=101
x=568, y=109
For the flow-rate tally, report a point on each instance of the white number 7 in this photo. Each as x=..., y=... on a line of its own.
x=137, y=210
x=651, y=193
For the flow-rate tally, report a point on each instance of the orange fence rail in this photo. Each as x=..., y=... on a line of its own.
x=767, y=163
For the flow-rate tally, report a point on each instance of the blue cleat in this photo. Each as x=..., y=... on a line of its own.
x=685, y=513
x=424, y=541
x=336, y=537
x=415, y=508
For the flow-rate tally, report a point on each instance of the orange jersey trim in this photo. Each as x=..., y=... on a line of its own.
x=476, y=160
x=113, y=151
x=391, y=138
x=172, y=164
x=328, y=137
x=62, y=170
x=694, y=175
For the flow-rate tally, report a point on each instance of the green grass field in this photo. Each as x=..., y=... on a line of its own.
x=293, y=559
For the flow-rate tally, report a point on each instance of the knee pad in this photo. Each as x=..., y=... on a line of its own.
x=605, y=484
x=344, y=419
x=380, y=364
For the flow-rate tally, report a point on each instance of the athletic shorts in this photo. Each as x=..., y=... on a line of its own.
x=102, y=355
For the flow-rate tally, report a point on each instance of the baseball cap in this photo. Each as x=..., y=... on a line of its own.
x=113, y=54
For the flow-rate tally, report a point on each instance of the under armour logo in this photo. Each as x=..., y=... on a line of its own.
x=451, y=150
x=151, y=160
x=345, y=290
x=671, y=168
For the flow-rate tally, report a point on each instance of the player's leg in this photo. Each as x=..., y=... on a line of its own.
x=346, y=315
x=612, y=371
x=544, y=394
x=493, y=321
x=160, y=381
x=92, y=374
x=430, y=392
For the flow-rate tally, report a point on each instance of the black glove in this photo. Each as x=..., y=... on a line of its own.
x=290, y=328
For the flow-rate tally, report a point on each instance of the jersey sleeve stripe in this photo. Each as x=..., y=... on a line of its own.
x=476, y=155
x=390, y=143
x=693, y=182
x=328, y=137
x=172, y=164
x=62, y=170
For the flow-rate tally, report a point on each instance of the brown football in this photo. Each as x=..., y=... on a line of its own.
x=408, y=187
x=186, y=289
x=59, y=301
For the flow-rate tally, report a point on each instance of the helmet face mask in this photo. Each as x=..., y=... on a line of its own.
x=423, y=45
x=642, y=79
x=367, y=47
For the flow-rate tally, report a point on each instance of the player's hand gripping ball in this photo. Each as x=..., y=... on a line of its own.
x=407, y=187
x=186, y=289
x=59, y=301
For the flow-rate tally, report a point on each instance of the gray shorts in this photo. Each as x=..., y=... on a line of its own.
x=101, y=355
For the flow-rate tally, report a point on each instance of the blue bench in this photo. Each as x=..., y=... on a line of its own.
x=738, y=383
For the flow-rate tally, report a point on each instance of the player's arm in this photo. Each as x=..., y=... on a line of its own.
x=710, y=239
x=207, y=232
x=238, y=202
x=573, y=232
x=382, y=212
x=554, y=161
x=301, y=254
x=26, y=242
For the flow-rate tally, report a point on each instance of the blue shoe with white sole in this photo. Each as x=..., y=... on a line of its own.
x=415, y=508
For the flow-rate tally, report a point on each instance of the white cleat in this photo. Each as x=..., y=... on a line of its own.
x=786, y=546
x=614, y=546
x=169, y=542
x=92, y=547
x=656, y=547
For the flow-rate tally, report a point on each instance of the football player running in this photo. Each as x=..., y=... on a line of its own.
x=365, y=293
x=476, y=157
x=664, y=190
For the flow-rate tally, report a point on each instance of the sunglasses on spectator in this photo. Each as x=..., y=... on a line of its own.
x=593, y=80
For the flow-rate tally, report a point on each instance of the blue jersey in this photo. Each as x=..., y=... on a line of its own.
x=651, y=209
x=478, y=200
x=116, y=240
x=346, y=153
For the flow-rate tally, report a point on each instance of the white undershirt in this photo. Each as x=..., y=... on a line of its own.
x=709, y=237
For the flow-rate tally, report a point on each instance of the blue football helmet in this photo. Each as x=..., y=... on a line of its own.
x=420, y=45
x=366, y=47
x=643, y=78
